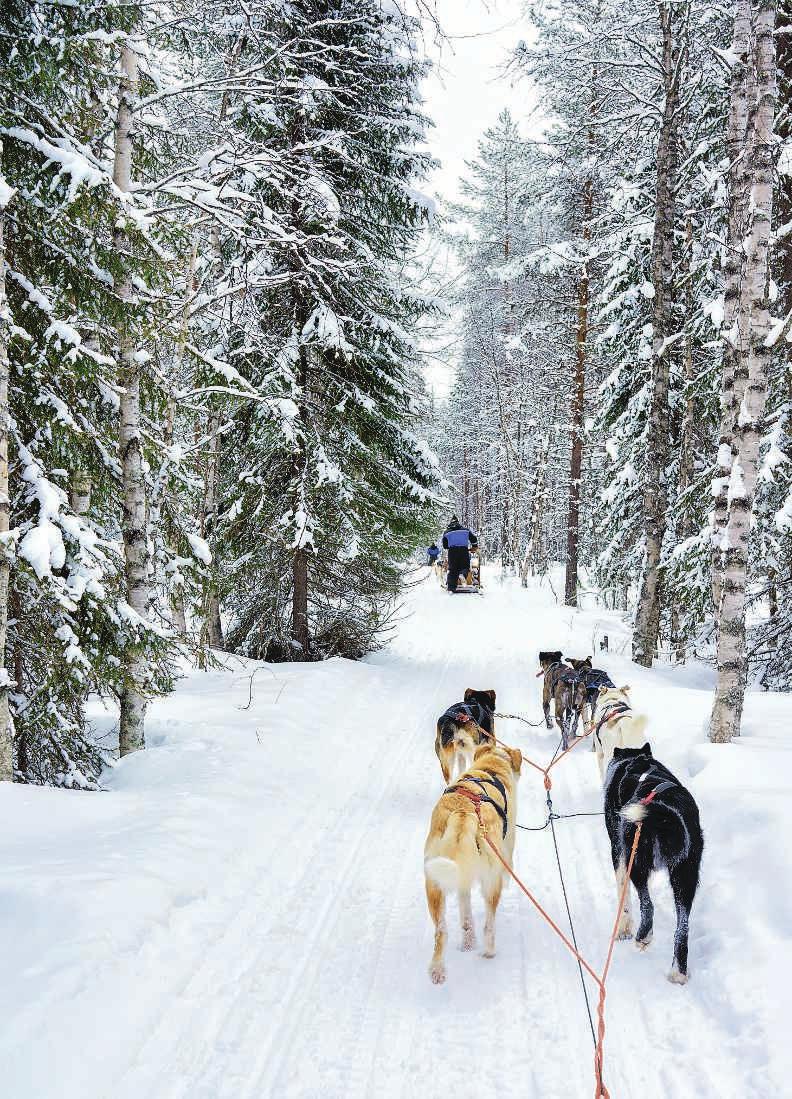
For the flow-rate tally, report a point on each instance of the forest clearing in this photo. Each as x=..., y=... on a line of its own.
x=395, y=405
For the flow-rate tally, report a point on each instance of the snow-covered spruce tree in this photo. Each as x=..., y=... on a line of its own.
x=572, y=58
x=325, y=486
x=71, y=630
x=633, y=236
x=673, y=53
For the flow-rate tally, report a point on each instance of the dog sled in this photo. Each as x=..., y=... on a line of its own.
x=472, y=581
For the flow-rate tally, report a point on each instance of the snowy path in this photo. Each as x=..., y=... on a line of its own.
x=243, y=914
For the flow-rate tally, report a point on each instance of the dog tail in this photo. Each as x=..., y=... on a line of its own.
x=443, y=872
x=635, y=812
x=453, y=860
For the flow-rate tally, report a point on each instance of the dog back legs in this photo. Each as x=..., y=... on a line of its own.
x=491, y=900
x=548, y=719
x=625, y=928
x=683, y=884
x=436, y=900
x=466, y=919
x=643, y=936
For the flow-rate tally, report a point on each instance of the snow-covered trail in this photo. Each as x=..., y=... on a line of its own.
x=243, y=913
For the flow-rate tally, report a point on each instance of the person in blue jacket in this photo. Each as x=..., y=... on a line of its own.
x=432, y=553
x=459, y=541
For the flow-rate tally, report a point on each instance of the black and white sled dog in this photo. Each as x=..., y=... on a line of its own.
x=638, y=788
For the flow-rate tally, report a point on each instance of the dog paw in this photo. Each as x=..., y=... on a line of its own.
x=438, y=974
x=644, y=942
x=625, y=930
x=677, y=978
x=488, y=953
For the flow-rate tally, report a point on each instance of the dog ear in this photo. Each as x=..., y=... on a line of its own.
x=469, y=693
x=491, y=696
x=515, y=755
x=647, y=749
x=625, y=690
x=557, y=655
x=588, y=660
x=602, y=690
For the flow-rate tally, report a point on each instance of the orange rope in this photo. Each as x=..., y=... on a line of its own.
x=537, y=766
x=601, y=1091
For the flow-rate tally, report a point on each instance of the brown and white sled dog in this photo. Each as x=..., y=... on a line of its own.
x=461, y=729
x=617, y=725
x=456, y=856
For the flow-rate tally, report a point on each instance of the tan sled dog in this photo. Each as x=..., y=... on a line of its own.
x=456, y=855
x=616, y=725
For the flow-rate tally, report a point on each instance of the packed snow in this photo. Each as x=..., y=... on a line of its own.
x=241, y=911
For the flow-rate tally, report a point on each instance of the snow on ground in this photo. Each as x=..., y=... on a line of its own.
x=241, y=914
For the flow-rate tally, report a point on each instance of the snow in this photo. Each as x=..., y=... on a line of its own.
x=7, y=192
x=241, y=911
x=200, y=548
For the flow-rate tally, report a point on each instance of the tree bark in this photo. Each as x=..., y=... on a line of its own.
x=80, y=492
x=533, y=545
x=655, y=492
x=686, y=448
x=134, y=522
x=6, y=725
x=578, y=408
x=733, y=322
x=760, y=151
x=213, y=626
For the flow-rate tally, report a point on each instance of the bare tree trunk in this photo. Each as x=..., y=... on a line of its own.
x=6, y=726
x=684, y=526
x=759, y=155
x=533, y=545
x=655, y=494
x=578, y=409
x=300, y=624
x=733, y=322
x=300, y=632
x=134, y=523
x=212, y=633
x=80, y=492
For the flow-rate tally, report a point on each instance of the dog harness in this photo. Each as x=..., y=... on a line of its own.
x=663, y=785
x=615, y=711
x=493, y=780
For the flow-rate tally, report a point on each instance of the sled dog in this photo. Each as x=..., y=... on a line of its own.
x=617, y=725
x=456, y=856
x=461, y=729
x=562, y=687
x=592, y=679
x=639, y=788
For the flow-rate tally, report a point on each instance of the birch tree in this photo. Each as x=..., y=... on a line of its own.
x=6, y=727
x=135, y=518
x=755, y=349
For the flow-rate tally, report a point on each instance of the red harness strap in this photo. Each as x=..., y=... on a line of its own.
x=649, y=797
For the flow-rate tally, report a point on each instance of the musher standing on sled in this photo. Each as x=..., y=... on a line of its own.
x=459, y=541
x=432, y=553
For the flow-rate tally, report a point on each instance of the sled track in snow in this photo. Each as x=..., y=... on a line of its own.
x=304, y=974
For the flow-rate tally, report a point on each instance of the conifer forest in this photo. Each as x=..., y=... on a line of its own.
x=386, y=383
x=217, y=291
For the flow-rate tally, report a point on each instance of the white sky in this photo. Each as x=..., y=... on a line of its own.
x=464, y=95
x=465, y=92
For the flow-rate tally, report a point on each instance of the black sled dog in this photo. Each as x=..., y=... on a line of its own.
x=638, y=788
